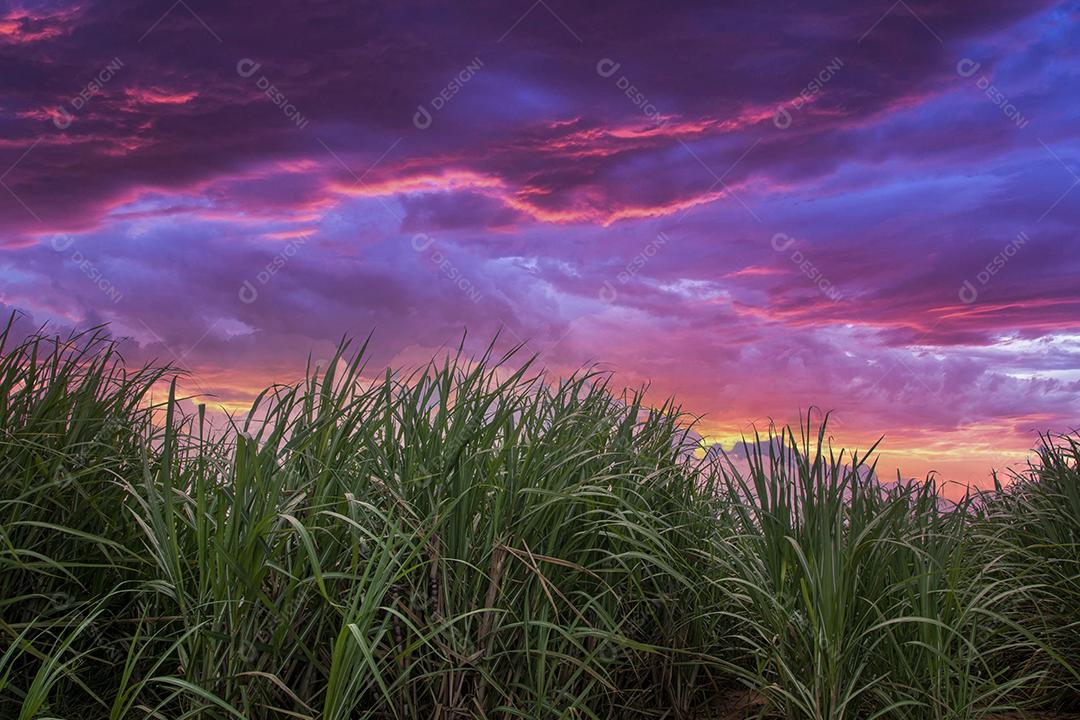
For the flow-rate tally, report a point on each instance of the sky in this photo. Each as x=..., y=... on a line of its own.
x=759, y=208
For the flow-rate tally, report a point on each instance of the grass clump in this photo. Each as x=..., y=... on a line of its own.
x=472, y=540
x=462, y=541
x=858, y=600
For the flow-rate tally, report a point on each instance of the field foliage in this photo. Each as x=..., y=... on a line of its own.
x=476, y=540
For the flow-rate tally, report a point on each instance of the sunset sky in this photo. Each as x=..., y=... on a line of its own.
x=866, y=207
